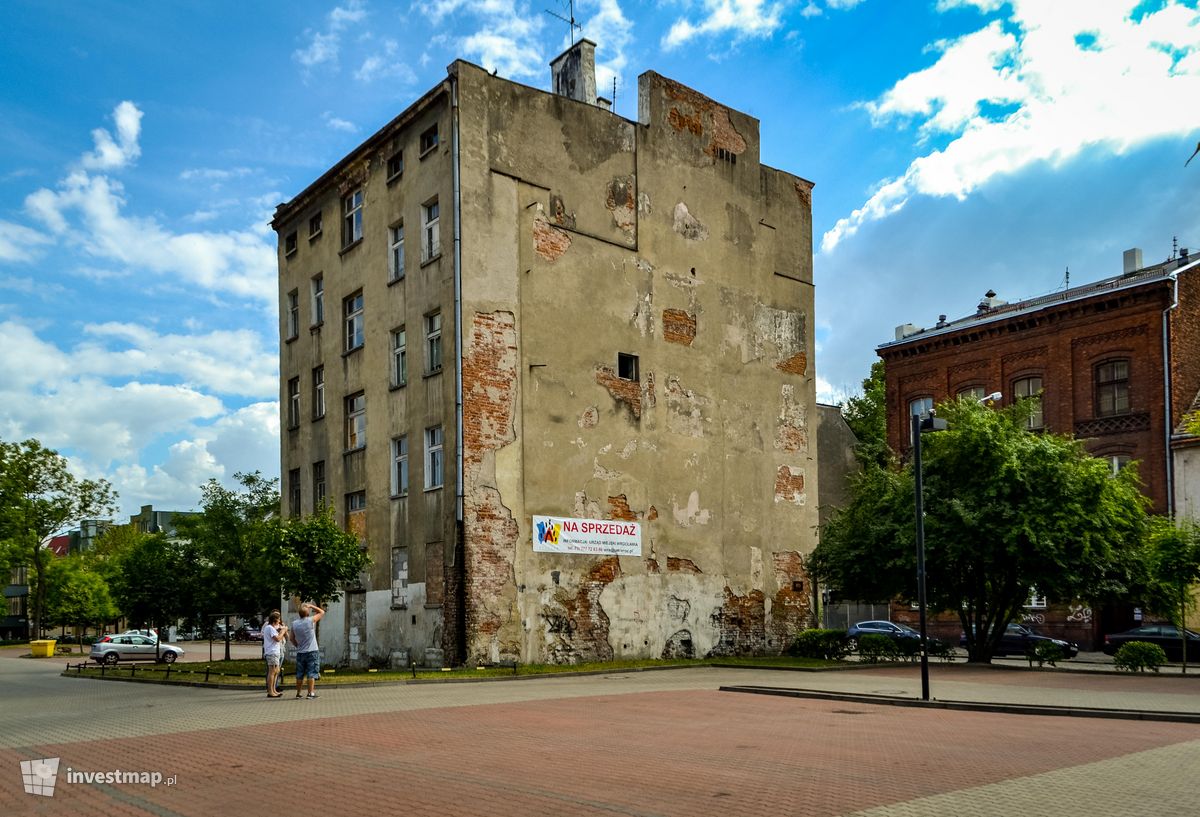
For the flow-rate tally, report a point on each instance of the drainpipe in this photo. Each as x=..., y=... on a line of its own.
x=458, y=326
x=1166, y=352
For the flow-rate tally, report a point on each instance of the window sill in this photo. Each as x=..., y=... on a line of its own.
x=433, y=606
x=292, y=428
x=398, y=279
x=395, y=177
x=291, y=339
x=431, y=149
x=314, y=236
x=318, y=417
x=397, y=386
x=399, y=496
x=316, y=327
x=434, y=488
x=349, y=352
x=435, y=257
x=291, y=252
x=399, y=606
x=347, y=452
x=356, y=242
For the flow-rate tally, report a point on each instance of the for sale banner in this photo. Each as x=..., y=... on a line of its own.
x=556, y=534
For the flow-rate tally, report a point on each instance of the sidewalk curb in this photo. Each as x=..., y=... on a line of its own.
x=973, y=706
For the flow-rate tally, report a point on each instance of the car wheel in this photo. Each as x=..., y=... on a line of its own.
x=852, y=644
x=111, y=658
x=169, y=657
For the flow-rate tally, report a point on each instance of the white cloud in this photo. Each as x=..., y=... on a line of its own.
x=323, y=46
x=505, y=37
x=985, y=6
x=214, y=174
x=1059, y=98
x=338, y=124
x=842, y=5
x=385, y=65
x=20, y=243
x=742, y=18
x=112, y=154
x=612, y=32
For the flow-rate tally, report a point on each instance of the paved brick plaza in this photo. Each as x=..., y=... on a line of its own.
x=554, y=747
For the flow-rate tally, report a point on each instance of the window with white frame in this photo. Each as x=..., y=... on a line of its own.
x=1112, y=388
x=318, y=395
x=433, y=342
x=396, y=256
x=400, y=466
x=1031, y=387
x=352, y=217
x=1035, y=600
x=973, y=392
x=356, y=502
x=293, y=314
x=431, y=241
x=920, y=406
x=318, y=300
x=353, y=310
x=293, y=409
x=434, y=464
x=356, y=421
x=399, y=357
x=1118, y=461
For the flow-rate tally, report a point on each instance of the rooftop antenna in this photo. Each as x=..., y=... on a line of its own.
x=1067, y=279
x=614, y=101
x=572, y=25
x=1174, y=247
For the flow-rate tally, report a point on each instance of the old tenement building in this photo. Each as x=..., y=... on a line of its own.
x=554, y=368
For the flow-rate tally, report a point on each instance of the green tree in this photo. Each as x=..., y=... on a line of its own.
x=40, y=497
x=227, y=550
x=1174, y=556
x=1007, y=511
x=315, y=557
x=77, y=596
x=149, y=580
x=866, y=414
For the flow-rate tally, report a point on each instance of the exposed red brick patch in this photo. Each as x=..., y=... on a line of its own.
x=549, y=241
x=791, y=607
x=681, y=121
x=724, y=134
x=652, y=566
x=620, y=201
x=792, y=432
x=489, y=392
x=678, y=564
x=589, y=418
x=789, y=485
x=804, y=192
x=618, y=508
x=741, y=622
x=626, y=392
x=583, y=636
x=678, y=327
x=796, y=364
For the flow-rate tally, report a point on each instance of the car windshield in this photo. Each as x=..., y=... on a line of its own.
x=904, y=628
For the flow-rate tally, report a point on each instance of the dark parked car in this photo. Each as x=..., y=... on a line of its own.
x=1018, y=639
x=1164, y=635
x=894, y=631
x=133, y=648
x=247, y=632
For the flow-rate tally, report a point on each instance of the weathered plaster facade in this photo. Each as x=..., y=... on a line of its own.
x=584, y=236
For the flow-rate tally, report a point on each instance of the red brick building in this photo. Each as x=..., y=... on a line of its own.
x=1115, y=362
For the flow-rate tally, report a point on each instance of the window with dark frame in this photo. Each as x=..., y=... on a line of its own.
x=352, y=217
x=293, y=410
x=289, y=243
x=1030, y=387
x=627, y=366
x=318, y=473
x=429, y=139
x=395, y=165
x=1112, y=388
x=294, y=492
x=314, y=225
x=356, y=421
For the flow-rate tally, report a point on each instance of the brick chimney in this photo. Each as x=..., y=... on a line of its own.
x=573, y=72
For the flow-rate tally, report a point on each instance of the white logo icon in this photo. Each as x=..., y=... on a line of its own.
x=40, y=775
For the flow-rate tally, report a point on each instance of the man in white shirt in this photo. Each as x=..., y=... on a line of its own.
x=303, y=635
x=273, y=634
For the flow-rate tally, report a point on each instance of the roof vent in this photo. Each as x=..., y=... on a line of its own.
x=989, y=302
x=906, y=329
x=1184, y=259
x=1133, y=260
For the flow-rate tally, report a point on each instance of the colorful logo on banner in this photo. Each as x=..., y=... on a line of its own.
x=549, y=532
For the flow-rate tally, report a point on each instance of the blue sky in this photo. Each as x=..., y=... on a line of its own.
x=957, y=146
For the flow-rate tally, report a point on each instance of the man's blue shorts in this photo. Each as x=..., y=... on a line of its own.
x=308, y=665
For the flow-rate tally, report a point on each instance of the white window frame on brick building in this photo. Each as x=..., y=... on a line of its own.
x=435, y=475
x=922, y=406
x=433, y=343
x=400, y=465
x=1112, y=387
x=431, y=235
x=352, y=308
x=1030, y=387
x=356, y=421
x=352, y=217
x=396, y=252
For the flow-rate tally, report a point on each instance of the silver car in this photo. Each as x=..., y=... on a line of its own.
x=133, y=648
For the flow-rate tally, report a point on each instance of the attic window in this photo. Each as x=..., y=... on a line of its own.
x=429, y=140
x=727, y=156
x=627, y=366
x=289, y=243
x=395, y=165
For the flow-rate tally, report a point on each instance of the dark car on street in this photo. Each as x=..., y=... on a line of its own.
x=1019, y=639
x=1164, y=635
x=248, y=632
x=894, y=631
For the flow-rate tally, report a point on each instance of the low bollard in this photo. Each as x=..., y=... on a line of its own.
x=206, y=671
x=414, y=669
x=168, y=672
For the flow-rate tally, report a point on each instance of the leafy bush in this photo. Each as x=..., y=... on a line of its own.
x=1139, y=656
x=941, y=650
x=874, y=648
x=1044, y=652
x=908, y=649
x=829, y=645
